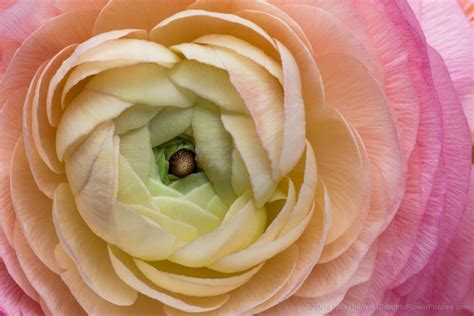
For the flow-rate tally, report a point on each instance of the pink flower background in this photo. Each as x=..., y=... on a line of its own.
x=426, y=253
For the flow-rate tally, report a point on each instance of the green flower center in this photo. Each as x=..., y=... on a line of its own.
x=176, y=159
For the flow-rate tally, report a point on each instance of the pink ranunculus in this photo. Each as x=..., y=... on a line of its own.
x=228, y=157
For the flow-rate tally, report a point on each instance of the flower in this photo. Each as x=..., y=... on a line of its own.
x=235, y=157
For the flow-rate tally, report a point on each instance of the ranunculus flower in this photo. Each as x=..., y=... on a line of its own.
x=236, y=157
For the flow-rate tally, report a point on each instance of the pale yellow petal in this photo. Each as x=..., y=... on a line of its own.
x=144, y=83
x=88, y=251
x=127, y=270
x=245, y=49
x=85, y=112
x=253, y=154
x=193, y=285
x=92, y=174
x=213, y=148
x=264, y=101
x=136, y=149
x=53, y=101
x=32, y=209
x=209, y=82
x=135, y=117
x=168, y=124
x=220, y=242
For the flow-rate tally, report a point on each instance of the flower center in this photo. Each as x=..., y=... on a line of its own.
x=182, y=163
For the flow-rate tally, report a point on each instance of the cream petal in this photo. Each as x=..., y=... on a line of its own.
x=46, y=179
x=139, y=14
x=92, y=175
x=194, y=285
x=140, y=236
x=168, y=124
x=340, y=165
x=157, y=188
x=181, y=28
x=294, y=137
x=245, y=49
x=253, y=154
x=144, y=83
x=50, y=288
x=310, y=244
x=85, y=113
x=88, y=251
x=254, y=255
x=33, y=210
x=313, y=88
x=135, y=117
x=201, y=196
x=179, y=229
x=53, y=104
x=281, y=219
x=213, y=148
x=44, y=134
x=127, y=270
x=131, y=189
x=240, y=178
x=187, y=212
x=136, y=149
x=264, y=101
x=86, y=70
x=90, y=301
x=131, y=49
x=223, y=240
x=208, y=82
x=268, y=281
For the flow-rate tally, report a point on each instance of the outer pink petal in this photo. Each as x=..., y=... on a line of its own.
x=448, y=30
x=13, y=301
x=20, y=19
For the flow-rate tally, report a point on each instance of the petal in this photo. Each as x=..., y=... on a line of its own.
x=194, y=285
x=340, y=165
x=208, y=82
x=253, y=154
x=136, y=149
x=92, y=174
x=168, y=124
x=10, y=120
x=294, y=129
x=46, y=179
x=135, y=117
x=264, y=102
x=90, y=301
x=245, y=49
x=44, y=43
x=213, y=148
x=141, y=14
x=44, y=134
x=180, y=28
x=126, y=269
x=48, y=285
x=219, y=242
x=262, y=286
x=82, y=116
x=33, y=210
x=144, y=83
x=53, y=104
x=88, y=251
